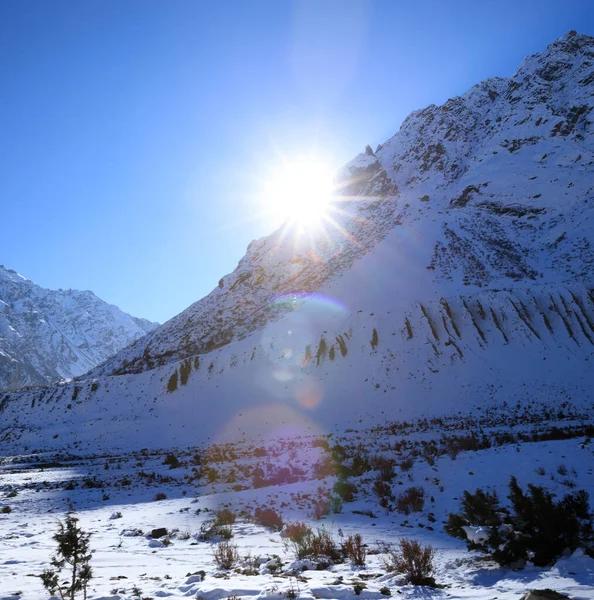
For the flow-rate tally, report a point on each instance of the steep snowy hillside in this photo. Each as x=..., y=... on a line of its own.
x=458, y=279
x=46, y=335
x=497, y=185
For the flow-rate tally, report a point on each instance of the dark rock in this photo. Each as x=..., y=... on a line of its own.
x=545, y=594
x=158, y=533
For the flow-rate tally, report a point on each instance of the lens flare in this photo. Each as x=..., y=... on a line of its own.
x=300, y=193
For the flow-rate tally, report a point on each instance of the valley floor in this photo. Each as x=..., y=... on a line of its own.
x=114, y=497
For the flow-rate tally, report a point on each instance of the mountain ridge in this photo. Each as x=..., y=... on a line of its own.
x=406, y=167
x=46, y=335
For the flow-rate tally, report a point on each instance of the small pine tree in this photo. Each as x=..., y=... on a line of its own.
x=72, y=555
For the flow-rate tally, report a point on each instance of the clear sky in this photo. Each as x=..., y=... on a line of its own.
x=134, y=135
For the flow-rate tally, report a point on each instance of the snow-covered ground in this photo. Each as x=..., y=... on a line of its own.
x=40, y=488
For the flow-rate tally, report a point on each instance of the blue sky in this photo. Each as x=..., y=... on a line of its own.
x=134, y=135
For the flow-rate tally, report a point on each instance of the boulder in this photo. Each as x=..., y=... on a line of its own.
x=159, y=532
x=545, y=594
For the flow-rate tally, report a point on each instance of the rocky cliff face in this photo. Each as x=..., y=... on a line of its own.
x=47, y=335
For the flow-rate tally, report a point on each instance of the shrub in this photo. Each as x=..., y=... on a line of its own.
x=160, y=496
x=317, y=545
x=411, y=500
x=172, y=461
x=354, y=549
x=335, y=504
x=385, y=468
x=536, y=527
x=296, y=532
x=324, y=468
x=412, y=560
x=358, y=588
x=345, y=490
x=406, y=463
x=211, y=530
x=267, y=517
x=224, y=516
x=73, y=556
x=225, y=555
x=383, y=491
x=5, y=510
x=321, y=353
x=359, y=465
x=321, y=508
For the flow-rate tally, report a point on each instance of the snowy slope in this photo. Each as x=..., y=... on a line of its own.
x=46, y=335
x=496, y=186
x=458, y=278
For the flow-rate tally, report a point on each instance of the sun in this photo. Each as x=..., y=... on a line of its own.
x=300, y=193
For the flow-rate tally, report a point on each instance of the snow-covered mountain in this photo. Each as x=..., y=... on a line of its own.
x=46, y=335
x=496, y=184
x=457, y=276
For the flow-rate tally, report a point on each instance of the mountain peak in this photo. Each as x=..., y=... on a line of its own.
x=477, y=158
x=46, y=335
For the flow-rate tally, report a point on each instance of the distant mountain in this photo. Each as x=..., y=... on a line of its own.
x=458, y=276
x=47, y=335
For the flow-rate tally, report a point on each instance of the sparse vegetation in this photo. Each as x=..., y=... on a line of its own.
x=184, y=371
x=374, y=339
x=267, y=517
x=411, y=500
x=535, y=527
x=224, y=516
x=320, y=544
x=172, y=383
x=412, y=560
x=296, y=532
x=226, y=555
x=172, y=461
x=354, y=549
